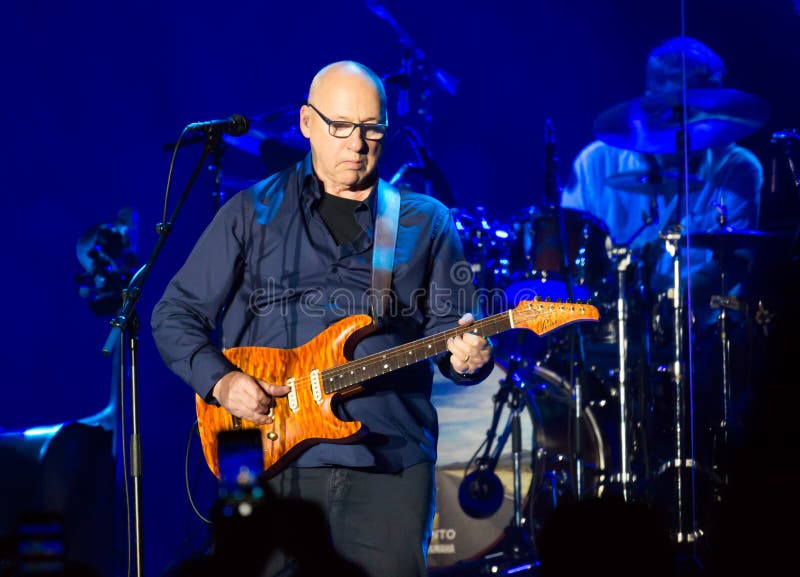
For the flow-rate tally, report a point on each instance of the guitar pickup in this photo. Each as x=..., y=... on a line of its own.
x=294, y=405
x=316, y=386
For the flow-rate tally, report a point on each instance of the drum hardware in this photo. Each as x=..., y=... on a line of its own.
x=675, y=123
x=724, y=242
x=721, y=257
x=785, y=140
x=685, y=530
x=623, y=256
x=480, y=493
x=624, y=261
x=723, y=303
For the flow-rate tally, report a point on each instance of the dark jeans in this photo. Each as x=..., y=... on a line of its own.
x=380, y=522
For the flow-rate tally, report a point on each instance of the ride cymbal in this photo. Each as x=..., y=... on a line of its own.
x=730, y=239
x=653, y=123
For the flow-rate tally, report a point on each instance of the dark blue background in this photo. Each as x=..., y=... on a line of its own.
x=93, y=91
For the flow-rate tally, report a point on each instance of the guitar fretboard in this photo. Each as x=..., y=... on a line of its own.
x=539, y=316
x=353, y=373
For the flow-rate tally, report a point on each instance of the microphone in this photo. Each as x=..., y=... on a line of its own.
x=235, y=125
x=480, y=493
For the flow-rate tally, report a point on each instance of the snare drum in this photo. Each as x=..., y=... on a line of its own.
x=465, y=415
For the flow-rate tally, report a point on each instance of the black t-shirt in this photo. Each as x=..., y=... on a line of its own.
x=339, y=216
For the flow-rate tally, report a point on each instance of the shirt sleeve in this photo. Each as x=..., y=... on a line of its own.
x=740, y=190
x=572, y=194
x=184, y=319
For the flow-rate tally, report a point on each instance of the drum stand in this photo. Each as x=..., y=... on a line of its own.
x=481, y=492
x=683, y=533
x=623, y=255
x=724, y=302
x=622, y=320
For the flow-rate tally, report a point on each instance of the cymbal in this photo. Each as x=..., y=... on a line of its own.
x=254, y=140
x=730, y=239
x=652, y=123
x=649, y=181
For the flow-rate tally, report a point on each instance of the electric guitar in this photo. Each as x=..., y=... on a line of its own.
x=320, y=371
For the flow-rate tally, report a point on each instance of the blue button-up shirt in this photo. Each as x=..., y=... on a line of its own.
x=268, y=272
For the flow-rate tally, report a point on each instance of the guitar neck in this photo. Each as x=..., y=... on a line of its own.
x=351, y=374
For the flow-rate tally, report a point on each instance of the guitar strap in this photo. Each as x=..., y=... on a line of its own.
x=383, y=250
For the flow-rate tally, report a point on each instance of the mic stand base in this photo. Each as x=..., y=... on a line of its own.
x=518, y=545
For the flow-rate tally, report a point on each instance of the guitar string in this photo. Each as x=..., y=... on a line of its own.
x=438, y=342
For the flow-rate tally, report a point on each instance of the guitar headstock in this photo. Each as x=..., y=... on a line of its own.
x=544, y=316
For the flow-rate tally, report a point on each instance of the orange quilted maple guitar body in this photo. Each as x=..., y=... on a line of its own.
x=291, y=430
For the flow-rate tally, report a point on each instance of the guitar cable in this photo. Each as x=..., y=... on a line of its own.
x=186, y=474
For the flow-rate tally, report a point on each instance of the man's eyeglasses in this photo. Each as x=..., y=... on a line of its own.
x=343, y=129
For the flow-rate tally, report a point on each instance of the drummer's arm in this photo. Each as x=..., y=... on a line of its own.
x=739, y=201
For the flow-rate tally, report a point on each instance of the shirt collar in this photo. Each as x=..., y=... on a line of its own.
x=310, y=190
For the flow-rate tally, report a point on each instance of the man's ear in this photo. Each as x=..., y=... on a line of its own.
x=305, y=121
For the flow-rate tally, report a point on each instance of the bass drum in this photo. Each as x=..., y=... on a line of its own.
x=465, y=417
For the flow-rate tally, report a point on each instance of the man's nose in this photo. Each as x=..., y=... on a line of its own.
x=356, y=140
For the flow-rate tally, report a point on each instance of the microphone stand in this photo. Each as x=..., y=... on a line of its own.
x=517, y=543
x=126, y=324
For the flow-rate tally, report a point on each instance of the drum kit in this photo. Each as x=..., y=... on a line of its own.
x=606, y=408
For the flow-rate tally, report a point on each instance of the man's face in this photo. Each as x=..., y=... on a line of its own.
x=343, y=164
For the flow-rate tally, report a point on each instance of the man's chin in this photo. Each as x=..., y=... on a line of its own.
x=358, y=179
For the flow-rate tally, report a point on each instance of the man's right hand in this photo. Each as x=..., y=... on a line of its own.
x=247, y=397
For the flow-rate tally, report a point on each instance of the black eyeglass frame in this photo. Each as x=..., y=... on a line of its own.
x=353, y=125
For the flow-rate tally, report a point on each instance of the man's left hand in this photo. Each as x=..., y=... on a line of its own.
x=469, y=352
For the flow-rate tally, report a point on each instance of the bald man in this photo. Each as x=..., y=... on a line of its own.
x=283, y=261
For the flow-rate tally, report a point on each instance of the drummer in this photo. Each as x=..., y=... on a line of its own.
x=631, y=177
